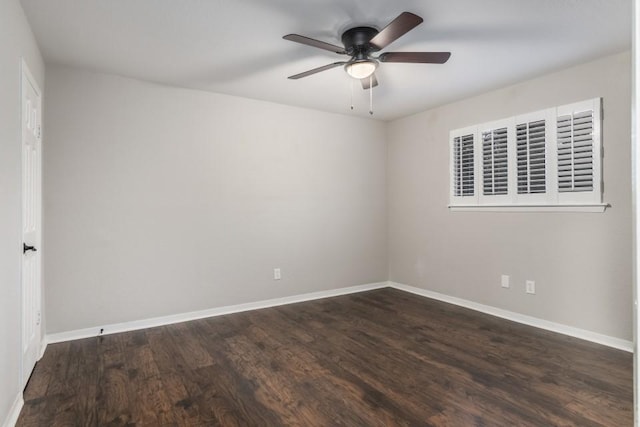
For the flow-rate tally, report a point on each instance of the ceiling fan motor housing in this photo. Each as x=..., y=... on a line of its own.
x=356, y=41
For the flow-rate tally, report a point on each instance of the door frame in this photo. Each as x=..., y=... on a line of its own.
x=26, y=77
x=635, y=205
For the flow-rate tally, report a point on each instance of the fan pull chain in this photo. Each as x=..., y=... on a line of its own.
x=371, y=94
x=351, y=87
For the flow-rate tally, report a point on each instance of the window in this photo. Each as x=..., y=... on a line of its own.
x=578, y=153
x=494, y=146
x=464, y=165
x=463, y=169
x=547, y=159
x=531, y=156
x=494, y=162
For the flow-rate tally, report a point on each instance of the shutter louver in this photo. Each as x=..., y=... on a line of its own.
x=531, y=157
x=494, y=162
x=463, y=165
x=575, y=152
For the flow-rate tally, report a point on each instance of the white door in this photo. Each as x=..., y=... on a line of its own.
x=31, y=212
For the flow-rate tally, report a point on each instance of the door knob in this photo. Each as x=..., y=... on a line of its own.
x=26, y=248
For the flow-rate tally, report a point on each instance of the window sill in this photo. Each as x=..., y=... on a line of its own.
x=593, y=208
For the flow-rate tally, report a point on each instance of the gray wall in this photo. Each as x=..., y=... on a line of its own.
x=162, y=200
x=581, y=262
x=16, y=41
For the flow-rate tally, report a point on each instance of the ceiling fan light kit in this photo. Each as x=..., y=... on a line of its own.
x=361, y=69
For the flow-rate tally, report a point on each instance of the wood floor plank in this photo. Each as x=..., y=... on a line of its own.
x=113, y=386
x=326, y=375
x=81, y=374
x=500, y=389
x=45, y=381
x=186, y=412
x=147, y=398
x=308, y=377
x=191, y=349
x=233, y=375
x=375, y=358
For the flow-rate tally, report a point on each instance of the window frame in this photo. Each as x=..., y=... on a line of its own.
x=552, y=199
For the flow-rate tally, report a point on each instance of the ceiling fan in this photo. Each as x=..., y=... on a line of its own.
x=360, y=43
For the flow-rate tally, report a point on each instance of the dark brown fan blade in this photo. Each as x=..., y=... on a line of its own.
x=415, y=57
x=317, y=70
x=367, y=84
x=404, y=23
x=315, y=43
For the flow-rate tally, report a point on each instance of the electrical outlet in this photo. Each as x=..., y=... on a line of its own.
x=530, y=287
x=505, y=281
x=276, y=274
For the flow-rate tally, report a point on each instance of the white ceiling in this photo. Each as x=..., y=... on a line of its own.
x=236, y=46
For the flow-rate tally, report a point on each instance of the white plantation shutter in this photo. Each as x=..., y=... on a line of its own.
x=495, y=168
x=575, y=152
x=463, y=166
x=578, y=152
x=531, y=157
x=549, y=159
x=495, y=179
x=534, y=158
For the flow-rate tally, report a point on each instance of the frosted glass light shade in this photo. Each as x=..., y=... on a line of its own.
x=361, y=69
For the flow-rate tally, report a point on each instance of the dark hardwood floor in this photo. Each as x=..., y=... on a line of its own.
x=380, y=358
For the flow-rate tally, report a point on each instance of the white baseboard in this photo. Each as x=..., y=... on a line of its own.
x=618, y=343
x=14, y=412
x=184, y=317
